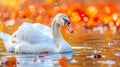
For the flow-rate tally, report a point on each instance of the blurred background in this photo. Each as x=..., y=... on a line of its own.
x=84, y=14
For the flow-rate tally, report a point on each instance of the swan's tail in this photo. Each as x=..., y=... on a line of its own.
x=5, y=42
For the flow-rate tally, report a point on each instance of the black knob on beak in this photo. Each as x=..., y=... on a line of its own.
x=66, y=21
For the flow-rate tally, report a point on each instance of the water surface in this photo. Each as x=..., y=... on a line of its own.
x=107, y=49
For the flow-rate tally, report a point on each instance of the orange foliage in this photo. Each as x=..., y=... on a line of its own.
x=25, y=13
x=11, y=62
x=43, y=11
x=63, y=62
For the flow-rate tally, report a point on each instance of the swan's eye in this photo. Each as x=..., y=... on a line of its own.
x=66, y=21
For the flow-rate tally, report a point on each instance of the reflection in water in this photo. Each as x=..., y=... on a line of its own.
x=42, y=60
x=80, y=58
x=107, y=54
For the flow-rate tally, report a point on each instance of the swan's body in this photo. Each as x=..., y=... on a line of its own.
x=36, y=38
x=44, y=29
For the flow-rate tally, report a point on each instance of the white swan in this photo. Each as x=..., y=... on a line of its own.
x=36, y=38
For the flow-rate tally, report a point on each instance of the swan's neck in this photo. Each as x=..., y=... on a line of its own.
x=56, y=32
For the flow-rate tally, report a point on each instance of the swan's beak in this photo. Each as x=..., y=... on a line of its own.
x=68, y=26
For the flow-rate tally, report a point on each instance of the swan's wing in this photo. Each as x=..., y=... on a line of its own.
x=30, y=33
x=4, y=36
x=6, y=39
x=44, y=29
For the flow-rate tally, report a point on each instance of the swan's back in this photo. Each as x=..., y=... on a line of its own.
x=44, y=29
x=33, y=38
x=33, y=33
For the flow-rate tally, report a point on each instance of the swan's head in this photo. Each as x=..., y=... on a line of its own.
x=63, y=19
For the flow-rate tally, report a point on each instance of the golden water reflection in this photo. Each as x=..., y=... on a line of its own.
x=84, y=47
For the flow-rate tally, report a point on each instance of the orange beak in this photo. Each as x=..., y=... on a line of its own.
x=68, y=27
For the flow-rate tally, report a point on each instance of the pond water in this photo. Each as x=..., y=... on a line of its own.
x=76, y=59
x=98, y=51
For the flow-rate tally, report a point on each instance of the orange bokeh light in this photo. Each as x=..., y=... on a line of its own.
x=80, y=14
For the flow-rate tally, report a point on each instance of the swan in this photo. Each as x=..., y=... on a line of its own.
x=38, y=38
